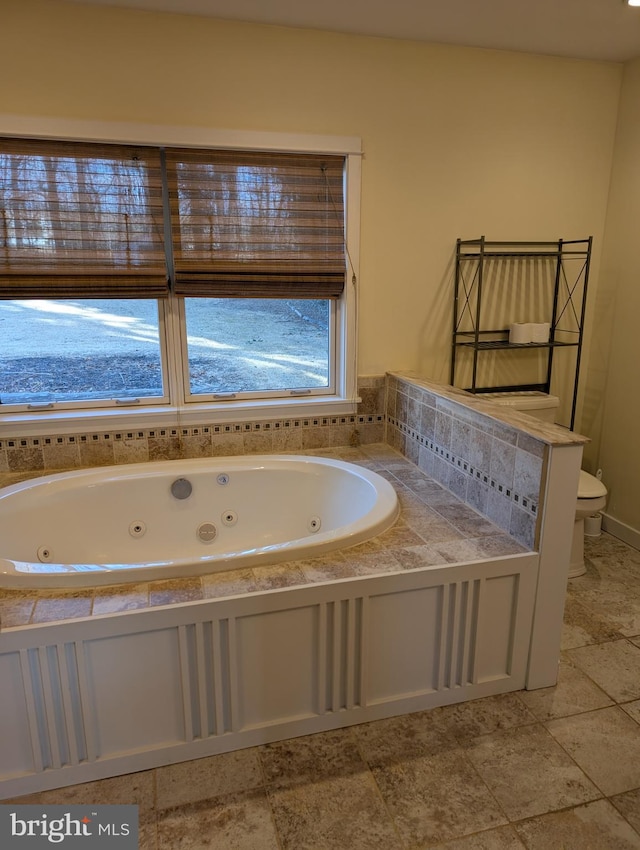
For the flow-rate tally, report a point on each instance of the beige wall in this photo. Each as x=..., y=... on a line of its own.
x=612, y=399
x=457, y=142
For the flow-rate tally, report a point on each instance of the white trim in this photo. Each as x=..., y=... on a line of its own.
x=621, y=530
x=556, y=534
x=347, y=318
x=126, y=132
x=142, y=418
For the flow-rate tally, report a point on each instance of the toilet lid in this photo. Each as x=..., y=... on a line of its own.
x=589, y=487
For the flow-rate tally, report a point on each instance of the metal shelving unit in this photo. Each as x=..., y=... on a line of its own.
x=568, y=265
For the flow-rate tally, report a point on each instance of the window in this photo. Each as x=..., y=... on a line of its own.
x=182, y=278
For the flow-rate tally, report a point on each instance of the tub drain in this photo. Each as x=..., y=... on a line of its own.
x=314, y=524
x=44, y=554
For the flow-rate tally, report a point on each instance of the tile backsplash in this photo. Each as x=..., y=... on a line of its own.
x=51, y=453
x=492, y=466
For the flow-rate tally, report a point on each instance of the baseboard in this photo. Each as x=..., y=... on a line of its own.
x=620, y=530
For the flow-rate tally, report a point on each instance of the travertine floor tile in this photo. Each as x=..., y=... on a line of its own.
x=528, y=772
x=614, y=666
x=332, y=813
x=240, y=821
x=203, y=779
x=614, y=603
x=386, y=742
x=582, y=626
x=632, y=709
x=502, y=838
x=436, y=797
x=596, y=826
x=628, y=804
x=606, y=745
x=574, y=693
x=311, y=758
x=468, y=720
x=323, y=795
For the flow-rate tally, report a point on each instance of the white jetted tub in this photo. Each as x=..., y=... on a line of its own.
x=179, y=518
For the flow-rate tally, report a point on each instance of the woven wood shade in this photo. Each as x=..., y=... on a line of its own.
x=80, y=221
x=88, y=221
x=250, y=224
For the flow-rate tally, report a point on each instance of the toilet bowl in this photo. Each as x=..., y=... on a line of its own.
x=592, y=494
x=592, y=497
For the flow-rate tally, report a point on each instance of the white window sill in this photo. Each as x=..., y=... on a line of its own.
x=138, y=418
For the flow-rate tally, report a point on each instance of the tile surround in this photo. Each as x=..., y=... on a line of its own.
x=50, y=453
x=494, y=467
x=47, y=454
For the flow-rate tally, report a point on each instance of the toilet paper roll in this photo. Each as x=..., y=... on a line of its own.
x=540, y=332
x=520, y=333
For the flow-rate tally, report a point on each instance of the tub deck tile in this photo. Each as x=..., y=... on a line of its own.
x=110, y=600
x=69, y=606
x=228, y=583
x=176, y=590
x=434, y=528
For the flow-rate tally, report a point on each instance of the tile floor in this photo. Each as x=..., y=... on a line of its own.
x=554, y=769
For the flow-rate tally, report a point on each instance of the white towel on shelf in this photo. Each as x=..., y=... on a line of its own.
x=520, y=333
x=540, y=332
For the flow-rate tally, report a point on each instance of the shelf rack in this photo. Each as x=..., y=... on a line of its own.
x=569, y=261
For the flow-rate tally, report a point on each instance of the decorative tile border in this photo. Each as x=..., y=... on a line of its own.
x=203, y=430
x=45, y=454
x=466, y=467
x=494, y=467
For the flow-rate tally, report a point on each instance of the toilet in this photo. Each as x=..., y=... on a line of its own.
x=592, y=494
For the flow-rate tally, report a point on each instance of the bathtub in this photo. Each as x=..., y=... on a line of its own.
x=95, y=696
x=179, y=518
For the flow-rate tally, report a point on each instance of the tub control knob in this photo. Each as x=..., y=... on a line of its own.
x=207, y=532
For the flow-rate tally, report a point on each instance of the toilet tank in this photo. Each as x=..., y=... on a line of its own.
x=537, y=404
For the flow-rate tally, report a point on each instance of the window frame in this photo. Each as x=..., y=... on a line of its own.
x=178, y=409
x=264, y=394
